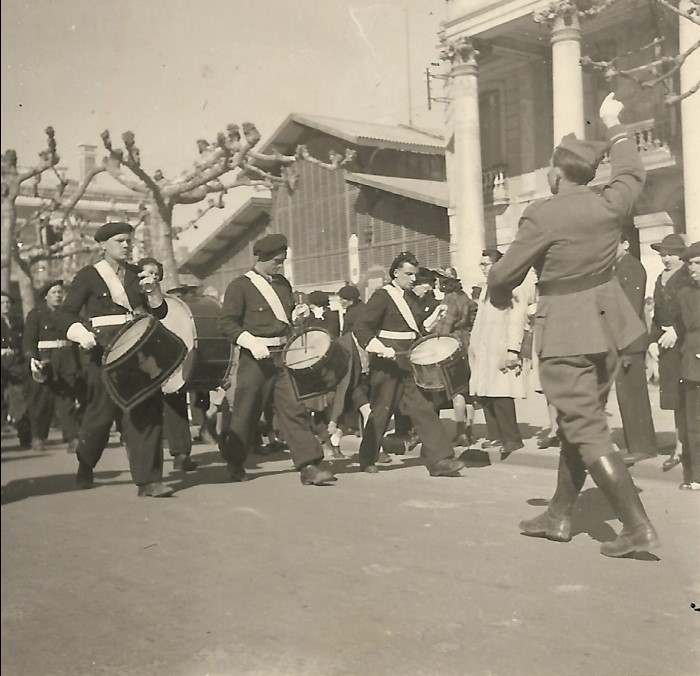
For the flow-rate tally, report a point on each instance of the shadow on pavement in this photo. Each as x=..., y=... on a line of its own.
x=21, y=489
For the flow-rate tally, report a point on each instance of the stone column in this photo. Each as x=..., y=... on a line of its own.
x=688, y=34
x=466, y=210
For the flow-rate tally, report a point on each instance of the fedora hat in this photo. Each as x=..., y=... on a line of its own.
x=671, y=244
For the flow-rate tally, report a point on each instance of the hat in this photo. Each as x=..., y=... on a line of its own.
x=270, y=246
x=349, y=292
x=319, y=298
x=109, y=230
x=591, y=152
x=45, y=288
x=693, y=251
x=403, y=257
x=449, y=273
x=671, y=244
x=425, y=276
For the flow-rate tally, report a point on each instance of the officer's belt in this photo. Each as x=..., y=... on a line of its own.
x=110, y=320
x=397, y=335
x=563, y=287
x=52, y=344
x=277, y=341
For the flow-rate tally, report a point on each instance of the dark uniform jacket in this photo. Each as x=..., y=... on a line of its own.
x=571, y=240
x=12, y=363
x=330, y=321
x=686, y=312
x=352, y=314
x=245, y=309
x=633, y=279
x=41, y=325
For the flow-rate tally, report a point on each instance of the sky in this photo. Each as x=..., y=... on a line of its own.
x=173, y=71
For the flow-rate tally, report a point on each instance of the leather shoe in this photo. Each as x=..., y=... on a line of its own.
x=492, y=443
x=447, y=467
x=84, y=477
x=640, y=539
x=236, y=473
x=548, y=442
x=383, y=458
x=155, y=490
x=462, y=441
x=671, y=462
x=313, y=475
x=546, y=525
x=184, y=462
x=370, y=469
x=38, y=445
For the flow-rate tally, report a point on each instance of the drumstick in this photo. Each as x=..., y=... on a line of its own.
x=303, y=361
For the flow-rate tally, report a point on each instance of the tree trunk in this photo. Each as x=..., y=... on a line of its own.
x=162, y=232
x=27, y=293
x=9, y=216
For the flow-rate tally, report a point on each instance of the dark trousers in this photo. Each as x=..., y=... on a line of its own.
x=635, y=408
x=689, y=430
x=257, y=382
x=392, y=389
x=501, y=420
x=142, y=426
x=176, y=423
x=57, y=396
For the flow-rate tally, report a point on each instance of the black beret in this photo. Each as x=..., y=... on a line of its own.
x=403, y=257
x=349, y=292
x=111, y=229
x=591, y=152
x=319, y=298
x=270, y=246
x=45, y=288
x=693, y=251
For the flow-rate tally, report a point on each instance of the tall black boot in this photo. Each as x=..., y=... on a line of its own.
x=555, y=523
x=614, y=480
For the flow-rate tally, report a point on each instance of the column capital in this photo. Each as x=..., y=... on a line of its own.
x=459, y=52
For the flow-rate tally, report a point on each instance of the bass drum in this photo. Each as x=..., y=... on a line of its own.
x=210, y=357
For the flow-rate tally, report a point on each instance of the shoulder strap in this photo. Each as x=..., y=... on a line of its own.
x=114, y=285
x=268, y=293
x=397, y=296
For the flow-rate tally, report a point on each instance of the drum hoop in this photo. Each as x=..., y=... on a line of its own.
x=152, y=325
x=432, y=336
x=321, y=358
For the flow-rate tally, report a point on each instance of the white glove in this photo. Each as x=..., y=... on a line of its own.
x=610, y=110
x=35, y=365
x=79, y=334
x=668, y=338
x=377, y=347
x=256, y=346
x=300, y=311
x=437, y=314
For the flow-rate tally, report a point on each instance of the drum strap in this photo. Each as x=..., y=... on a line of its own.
x=114, y=285
x=268, y=293
x=402, y=306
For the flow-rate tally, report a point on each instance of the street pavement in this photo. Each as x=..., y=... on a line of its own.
x=390, y=574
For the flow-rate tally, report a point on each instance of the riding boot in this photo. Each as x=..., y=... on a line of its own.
x=615, y=482
x=555, y=523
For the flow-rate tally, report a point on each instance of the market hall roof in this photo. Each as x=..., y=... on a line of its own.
x=430, y=192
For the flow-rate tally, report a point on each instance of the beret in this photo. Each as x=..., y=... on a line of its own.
x=111, y=229
x=349, y=292
x=672, y=244
x=45, y=288
x=403, y=257
x=693, y=251
x=591, y=152
x=269, y=246
x=319, y=298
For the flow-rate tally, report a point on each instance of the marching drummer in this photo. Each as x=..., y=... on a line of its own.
x=387, y=329
x=101, y=299
x=257, y=315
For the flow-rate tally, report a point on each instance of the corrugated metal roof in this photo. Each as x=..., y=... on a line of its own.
x=430, y=192
x=400, y=137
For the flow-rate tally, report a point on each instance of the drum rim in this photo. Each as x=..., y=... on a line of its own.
x=425, y=339
x=130, y=351
x=292, y=338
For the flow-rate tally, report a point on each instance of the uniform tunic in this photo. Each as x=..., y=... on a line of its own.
x=392, y=385
x=257, y=381
x=45, y=341
x=14, y=380
x=583, y=317
x=142, y=426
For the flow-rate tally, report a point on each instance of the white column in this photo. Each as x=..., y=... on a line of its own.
x=689, y=33
x=465, y=188
x=567, y=78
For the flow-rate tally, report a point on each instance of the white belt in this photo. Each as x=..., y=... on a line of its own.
x=397, y=335
x=277, y=341
x=110, y=320
x=52, y=344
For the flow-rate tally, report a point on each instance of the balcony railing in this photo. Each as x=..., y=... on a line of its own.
x=493, y=183
x=652, y=139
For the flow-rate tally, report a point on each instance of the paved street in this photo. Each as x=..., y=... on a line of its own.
x=395, y=573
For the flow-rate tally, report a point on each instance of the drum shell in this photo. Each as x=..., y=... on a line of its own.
x=450, y=374
x=144, y=366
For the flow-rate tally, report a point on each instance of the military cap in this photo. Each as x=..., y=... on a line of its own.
x=693, y=251
x=425, y=276
x=349, y=292
x=109, y=230
x=45, y=288
x=319, y=298
x=671, y=244
x=591, y=152
x=270, y=246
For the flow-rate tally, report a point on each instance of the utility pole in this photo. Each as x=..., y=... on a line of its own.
x=408, y=66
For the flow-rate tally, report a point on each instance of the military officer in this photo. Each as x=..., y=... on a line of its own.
x=53, y=361
x=583, y=322
x=257, y=315
x=387, y=330
x=101, y=299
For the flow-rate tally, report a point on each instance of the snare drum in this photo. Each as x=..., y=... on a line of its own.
x=315, y=362
x=439, y=363
x=139, y=359
x=195, y=319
